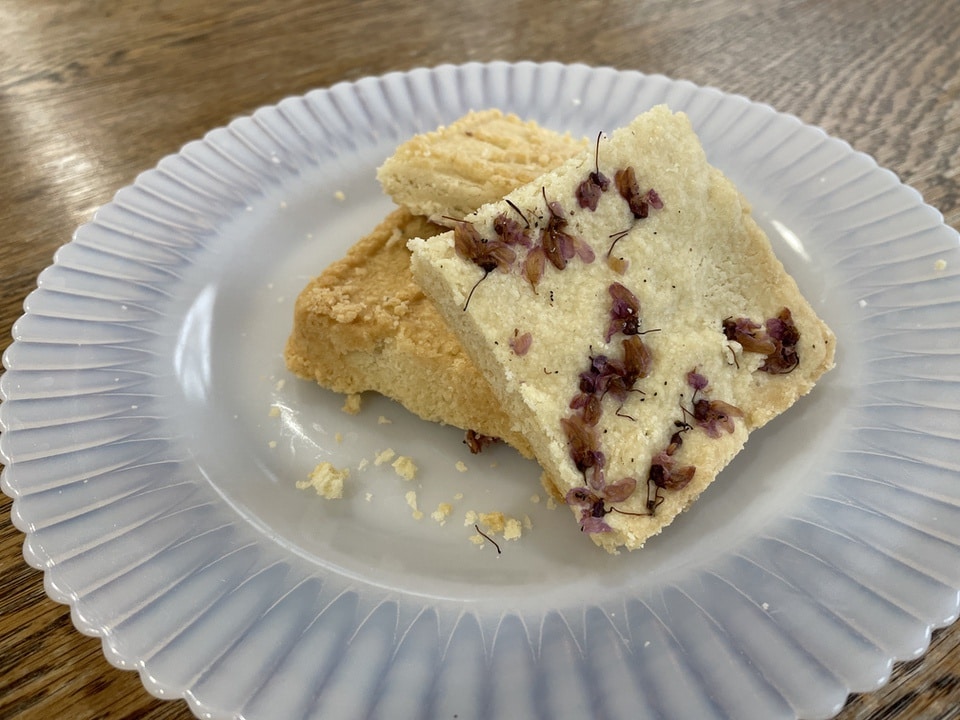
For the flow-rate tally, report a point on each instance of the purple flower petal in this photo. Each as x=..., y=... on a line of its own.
x=620, y=490
x=696, y=380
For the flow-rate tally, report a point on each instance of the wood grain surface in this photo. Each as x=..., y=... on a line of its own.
x=93, y=92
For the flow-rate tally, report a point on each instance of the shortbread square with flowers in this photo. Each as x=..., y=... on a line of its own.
x=633, y=320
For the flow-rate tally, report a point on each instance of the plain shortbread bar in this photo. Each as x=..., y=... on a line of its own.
x=451, y=171
x=363, y=324
x=641, y=358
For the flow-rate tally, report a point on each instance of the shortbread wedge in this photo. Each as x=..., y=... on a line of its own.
x=633, y=320
x=364, y=325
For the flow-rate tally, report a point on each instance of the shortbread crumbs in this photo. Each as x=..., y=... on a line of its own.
x=493, y=521
x=384, y=456
x=411, y=498
x=351, y=404
x=512, y=529
x=274, y=411
x=461, y=466
x=405, y=467
x=327, y=480
x=384, y=420
x=442, y=512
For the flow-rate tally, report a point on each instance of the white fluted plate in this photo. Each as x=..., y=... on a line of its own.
x=156, y=487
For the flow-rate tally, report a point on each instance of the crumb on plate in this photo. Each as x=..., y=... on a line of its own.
x=442, y=512
x=411, y=498
x=405, y=467
x=327, y=480
x=384, y=457
x=351, y=404
x=512, y=529
x=492, y=521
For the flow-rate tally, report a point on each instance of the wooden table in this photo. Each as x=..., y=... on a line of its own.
x=94, y=91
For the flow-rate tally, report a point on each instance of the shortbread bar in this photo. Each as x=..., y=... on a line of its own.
x=450, y=172
x=632, y=319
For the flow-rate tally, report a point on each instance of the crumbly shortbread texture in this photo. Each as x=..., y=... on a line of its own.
x=481, y=157
x=327, y=480
x=694, y=262
x=364, y=324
